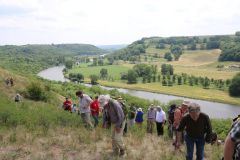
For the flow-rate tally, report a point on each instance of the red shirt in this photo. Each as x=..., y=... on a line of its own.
x=94, y=107
x=67, y=105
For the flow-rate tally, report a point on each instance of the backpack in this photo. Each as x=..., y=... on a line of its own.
x=124, y=108
x=171, y=115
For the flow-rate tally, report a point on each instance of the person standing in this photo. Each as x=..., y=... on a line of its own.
x=171, y=129
x=151, y=116
x=160, y=120
x=84, y=108
x=131, y=115
x=178, y=114
x=95, y=110
x=197, y=124
x=139, y=117
x=117, y=119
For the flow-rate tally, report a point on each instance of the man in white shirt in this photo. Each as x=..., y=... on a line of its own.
x=84, y=108
x=160, y=120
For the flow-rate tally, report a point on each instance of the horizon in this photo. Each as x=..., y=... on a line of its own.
x=110, y=23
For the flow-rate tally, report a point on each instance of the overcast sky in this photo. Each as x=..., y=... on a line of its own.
x=104, y=22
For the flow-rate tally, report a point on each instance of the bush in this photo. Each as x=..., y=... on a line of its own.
x=36, y=91
x=234, y=88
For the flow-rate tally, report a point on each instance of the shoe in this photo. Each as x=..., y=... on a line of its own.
x=122, y=153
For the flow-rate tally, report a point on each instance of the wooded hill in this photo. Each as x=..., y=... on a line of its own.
x=42, y=56
x=173, y=47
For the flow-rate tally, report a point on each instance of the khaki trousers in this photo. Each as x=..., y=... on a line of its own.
x=117, y=139
x=86, y=119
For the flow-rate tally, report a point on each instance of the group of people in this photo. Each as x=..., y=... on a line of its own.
x=186, y=122
x=9, y=82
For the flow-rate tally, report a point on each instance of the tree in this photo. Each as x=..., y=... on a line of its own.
x=103, y=73
x=94, y=79
x=100, y=62
x=234, y=88
x=68, y=64
x=176, y=51
x=168, y=56
x=132, y=76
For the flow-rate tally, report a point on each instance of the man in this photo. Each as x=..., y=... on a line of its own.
x=151, y=116
x=84, y=108
x=95, y=110
x=232, y=143
x=125, y=112
x=160, y=120
x=197, y=124
x=117, y=119
x=178, y=114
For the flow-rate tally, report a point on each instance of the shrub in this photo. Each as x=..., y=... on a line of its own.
x=35, y=91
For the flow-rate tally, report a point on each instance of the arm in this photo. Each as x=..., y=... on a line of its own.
x=228, y=148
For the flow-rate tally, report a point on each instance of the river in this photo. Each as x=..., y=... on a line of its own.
x=213, y=109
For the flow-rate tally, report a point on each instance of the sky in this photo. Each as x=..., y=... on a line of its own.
x=106, y=22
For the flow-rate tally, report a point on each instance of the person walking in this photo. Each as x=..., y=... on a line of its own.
x=117, y=119
x=84, y=108
x=95, y=110
x=160, y=120
x=171, y=129
x=197, y=125
x=151, y=116
x=131, y=115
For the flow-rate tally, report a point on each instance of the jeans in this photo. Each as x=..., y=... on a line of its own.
x=190, y=147
x=159, y=128
x=95, y=117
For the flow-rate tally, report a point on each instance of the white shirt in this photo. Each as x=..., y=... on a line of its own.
x=84, y=103
x=160, y=116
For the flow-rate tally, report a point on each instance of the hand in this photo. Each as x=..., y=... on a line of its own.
x=118, y=130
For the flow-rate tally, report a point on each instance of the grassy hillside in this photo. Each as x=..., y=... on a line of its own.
x=42, y=130
x=33, y=58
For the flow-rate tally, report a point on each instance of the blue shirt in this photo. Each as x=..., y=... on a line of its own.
x=139, y=116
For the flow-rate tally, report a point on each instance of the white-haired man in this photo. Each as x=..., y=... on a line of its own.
x=197, y=124
x=117, y=119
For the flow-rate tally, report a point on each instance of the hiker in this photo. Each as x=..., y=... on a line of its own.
x=131, y=115
x=106, y=119
x=160, y=120
x=74, y=108
x=67, y=105
x=95, y=110
x=151, y=116
x=117, y=119
x=197, y=125
x=125, y=112
x=84, y=108
x=178, y=114
x=171, y=120
x=139, y=117
x=232, y=142
x=11, y=81
x=7, y=81
x=18, y=98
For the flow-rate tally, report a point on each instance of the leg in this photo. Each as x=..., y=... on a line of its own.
x=190, y=147
x=160, y=129
x=200, y=148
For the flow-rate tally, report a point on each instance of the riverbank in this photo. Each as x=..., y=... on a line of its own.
x=180, y=90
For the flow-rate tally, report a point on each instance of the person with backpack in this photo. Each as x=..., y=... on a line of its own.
x=125, y=111
x=197, y=125
x=232, y=142
x=178, y=115
x=117, y=119
x=171, y=120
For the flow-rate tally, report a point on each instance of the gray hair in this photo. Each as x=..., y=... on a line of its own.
x=194, y=107
x=103, y=100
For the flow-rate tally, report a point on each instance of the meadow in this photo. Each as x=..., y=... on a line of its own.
x=198, y=63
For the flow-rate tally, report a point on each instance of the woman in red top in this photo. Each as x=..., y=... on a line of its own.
x=95, y=110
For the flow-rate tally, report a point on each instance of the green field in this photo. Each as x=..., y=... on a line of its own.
x=113, y=70
x=198, y=63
